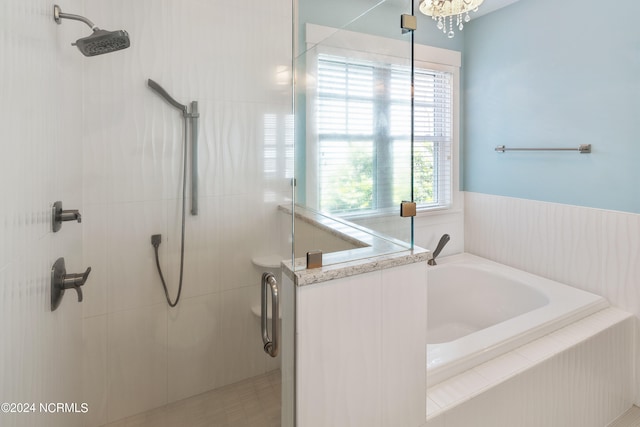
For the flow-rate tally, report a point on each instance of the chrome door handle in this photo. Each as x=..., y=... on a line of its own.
x=271, y=345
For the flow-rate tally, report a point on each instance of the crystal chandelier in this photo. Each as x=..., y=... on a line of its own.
x=440, y=10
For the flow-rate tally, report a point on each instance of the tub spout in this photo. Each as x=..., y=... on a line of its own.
x=441, y=244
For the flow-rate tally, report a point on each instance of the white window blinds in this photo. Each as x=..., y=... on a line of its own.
x=364, y=140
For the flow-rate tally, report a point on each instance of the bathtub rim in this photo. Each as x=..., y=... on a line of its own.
x=473, y=345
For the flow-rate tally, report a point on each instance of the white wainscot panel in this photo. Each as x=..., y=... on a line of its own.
x=361, y=343
x=404, y=343
x=339, y=360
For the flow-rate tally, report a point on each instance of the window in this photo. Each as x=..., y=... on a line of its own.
x=363, y=135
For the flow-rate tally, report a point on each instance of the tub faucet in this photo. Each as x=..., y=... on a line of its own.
x=443, y=241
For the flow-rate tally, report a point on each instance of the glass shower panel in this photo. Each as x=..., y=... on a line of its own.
x=353, y=129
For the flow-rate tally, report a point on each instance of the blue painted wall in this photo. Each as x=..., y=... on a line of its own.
x=549, y=73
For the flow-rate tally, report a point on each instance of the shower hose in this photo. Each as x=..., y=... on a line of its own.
x=155, y=239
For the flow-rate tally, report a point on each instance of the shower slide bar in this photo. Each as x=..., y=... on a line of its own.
x=194, y=115
x=582, y=149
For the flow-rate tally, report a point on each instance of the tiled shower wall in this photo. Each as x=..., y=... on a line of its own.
x=591, y=249
x=234, y=59
x=40, y=162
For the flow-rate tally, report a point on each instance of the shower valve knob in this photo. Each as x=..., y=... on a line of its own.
x=58, y=216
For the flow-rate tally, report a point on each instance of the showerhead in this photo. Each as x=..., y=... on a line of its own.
x=101, y=41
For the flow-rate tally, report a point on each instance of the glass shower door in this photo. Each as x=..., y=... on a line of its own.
x=353, y=122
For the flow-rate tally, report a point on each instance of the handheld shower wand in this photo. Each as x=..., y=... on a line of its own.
x=192, y=118
x=98, y=43
x=163, y=93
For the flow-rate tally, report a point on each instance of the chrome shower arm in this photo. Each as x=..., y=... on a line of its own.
x=98, y=43
x=58, y=15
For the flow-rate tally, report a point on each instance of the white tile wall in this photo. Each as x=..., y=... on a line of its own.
x=40, y=153
x=591, y=249
x=132, y=173
x=136, y=360
x=88, y=131
x=193, y=344
x=132, y=280
x=94, y=368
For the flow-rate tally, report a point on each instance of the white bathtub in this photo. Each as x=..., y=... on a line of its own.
x=479, y=309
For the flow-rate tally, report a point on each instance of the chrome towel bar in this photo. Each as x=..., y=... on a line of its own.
x=582, y=149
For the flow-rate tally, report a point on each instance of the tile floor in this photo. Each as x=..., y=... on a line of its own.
x=254, y=402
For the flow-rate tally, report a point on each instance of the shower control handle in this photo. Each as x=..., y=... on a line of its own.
x=61, y=281
x=58, y=216
x=75, y=280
